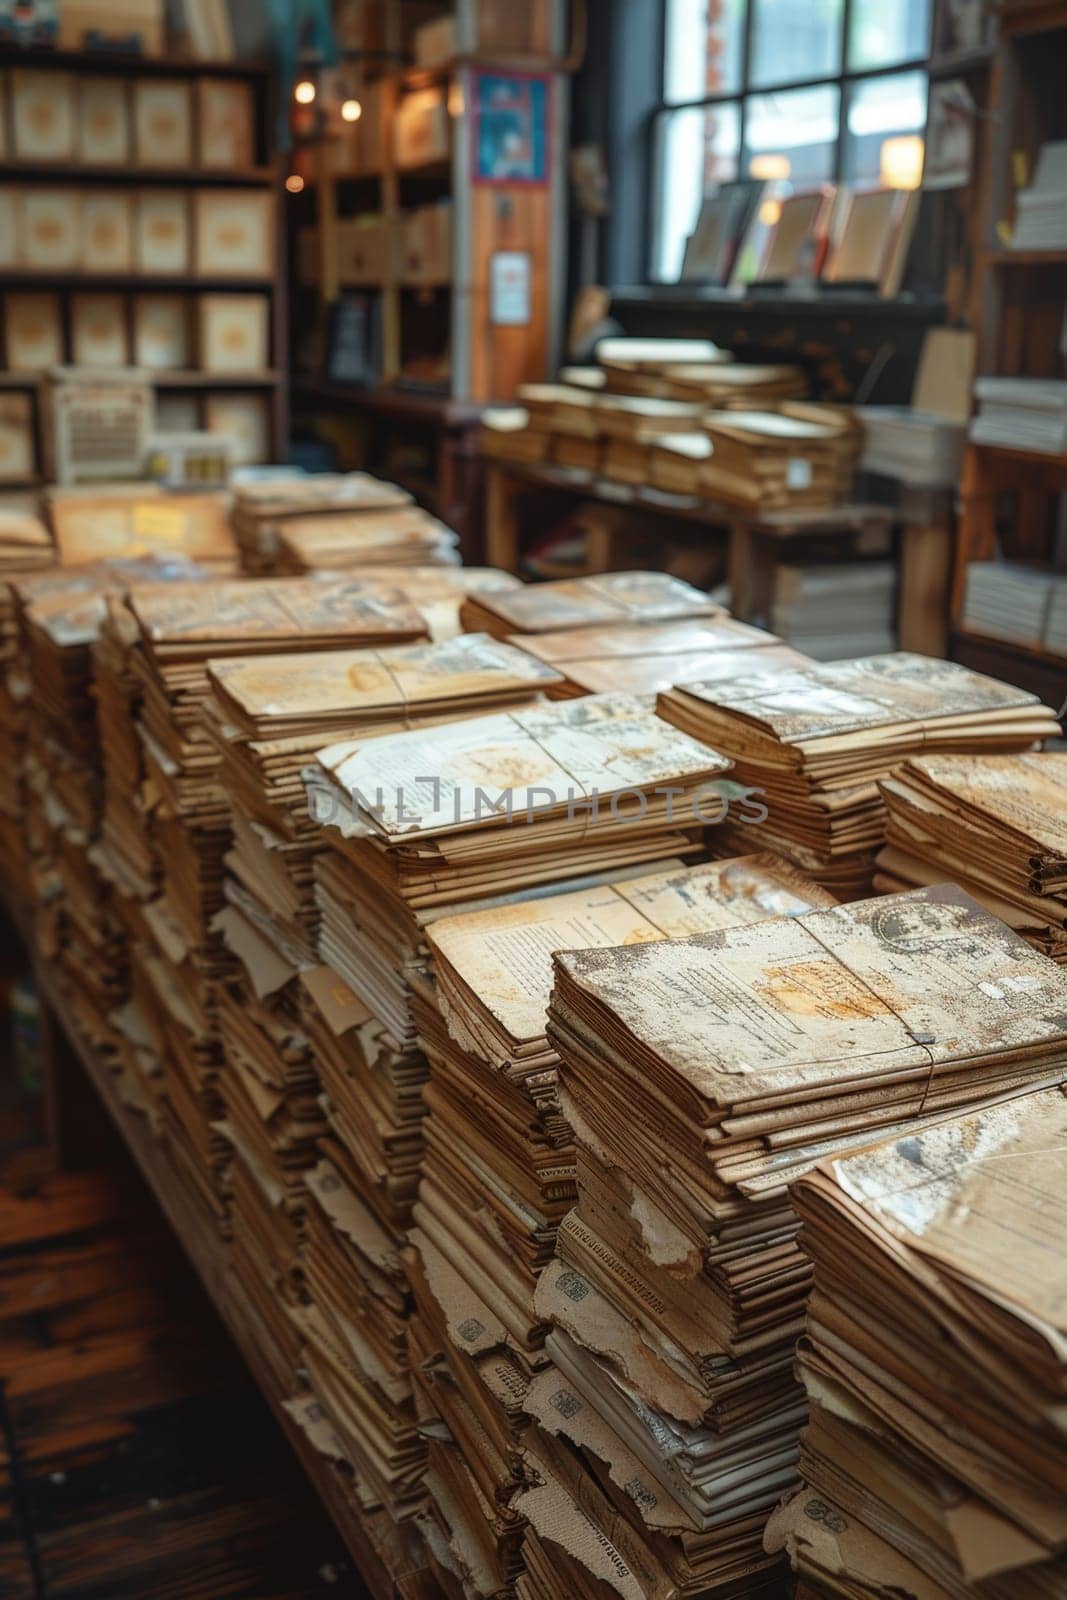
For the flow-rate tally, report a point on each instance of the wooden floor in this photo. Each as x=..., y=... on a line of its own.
x=137, y=1459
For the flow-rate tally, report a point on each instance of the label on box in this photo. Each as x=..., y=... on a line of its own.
x=158, y=524
x=797, y=473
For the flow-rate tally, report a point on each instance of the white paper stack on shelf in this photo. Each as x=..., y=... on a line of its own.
x=814, y=742
x=935, y=1461
x=915, y=446
x=836, y=610
x=499, y=1170
x=1021, y=414
x=1056, y=621
x=921, y=444
x=996, y=825
x=701, y=1077
x=1041, y=210
x=1007, y=601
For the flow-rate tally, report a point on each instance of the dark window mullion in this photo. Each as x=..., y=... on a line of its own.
x=745, y=87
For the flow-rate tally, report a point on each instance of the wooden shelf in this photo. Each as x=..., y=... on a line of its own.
x=42, y=279
x=197, y=1233
x=118, y=63
x=73, y=173
x=1014, y=647
x=1036, y=458
x=168, y=378
x=1027, y=258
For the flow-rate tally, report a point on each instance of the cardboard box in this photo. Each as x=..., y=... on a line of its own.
x=245, y=419
x=42, y=115
x=126, y=22
x=98, y=332
x=102, y=136
x=436, y=42
x=368, y=248
x=50, y=230
x=427, y=247
x=107, y=231
x=234, y=233
x=33, y=331
x=161, y=332
x=225, y=123
x=18, y=459
x=421, y=132
x=163, y=123
x=234, y=332
x=162, y=232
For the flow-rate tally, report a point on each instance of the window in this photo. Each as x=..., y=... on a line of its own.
x=806, y=91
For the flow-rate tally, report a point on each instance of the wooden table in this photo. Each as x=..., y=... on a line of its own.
x=754, y=541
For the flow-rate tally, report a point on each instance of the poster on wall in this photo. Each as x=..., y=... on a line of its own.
x=511, y=127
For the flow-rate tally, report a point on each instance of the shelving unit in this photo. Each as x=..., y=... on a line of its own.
x=262, y=174
x=1007, y=496
x=443, y=343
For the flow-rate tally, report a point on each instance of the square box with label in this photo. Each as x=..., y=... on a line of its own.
x=163, y=123
x=234, y=334
x=234, y=233
x=162, y=232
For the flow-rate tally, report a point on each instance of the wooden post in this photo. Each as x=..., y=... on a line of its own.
x=925, y=572
x=501, y=520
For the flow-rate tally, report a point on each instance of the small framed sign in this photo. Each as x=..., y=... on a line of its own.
x=511, y=127
x=510, y=288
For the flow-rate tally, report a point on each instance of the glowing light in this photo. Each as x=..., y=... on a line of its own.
x=900, y=162
x=770, y=167
x=351, y=110
x=769, y=212
x=294, y=183
x=304, y=93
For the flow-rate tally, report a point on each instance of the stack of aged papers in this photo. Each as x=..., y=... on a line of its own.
x=499, y=1171
x=271, y=1116
x=996, y=825
x=439, y=592
x=647, y=659
x=269, y=715
x=612, y=597
x=265, y=511
x=811, y=743
x=178, y=631
x=935, y=1462
x=131, y=521
x=701, y=1076
x=337, y=542
x=774, y=460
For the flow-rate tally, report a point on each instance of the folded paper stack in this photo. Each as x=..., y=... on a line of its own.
x=499, y=1171
x=650, y=658
x=612, y=597
x=816, y=740
x=265, y=512
x=996, y=825
x=178, y=631
x=701, y=1077
x=934, y=1463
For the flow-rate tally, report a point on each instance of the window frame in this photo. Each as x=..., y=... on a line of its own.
x=844, y=80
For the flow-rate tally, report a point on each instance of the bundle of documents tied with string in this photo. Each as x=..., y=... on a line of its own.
x=816, y=739
x=647, y=658
x=499, y=1169
x=333, y=520
x=935, y=1363
x=701, y=1076
x=178, y=631
x=996, y=825
x=611, y=597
